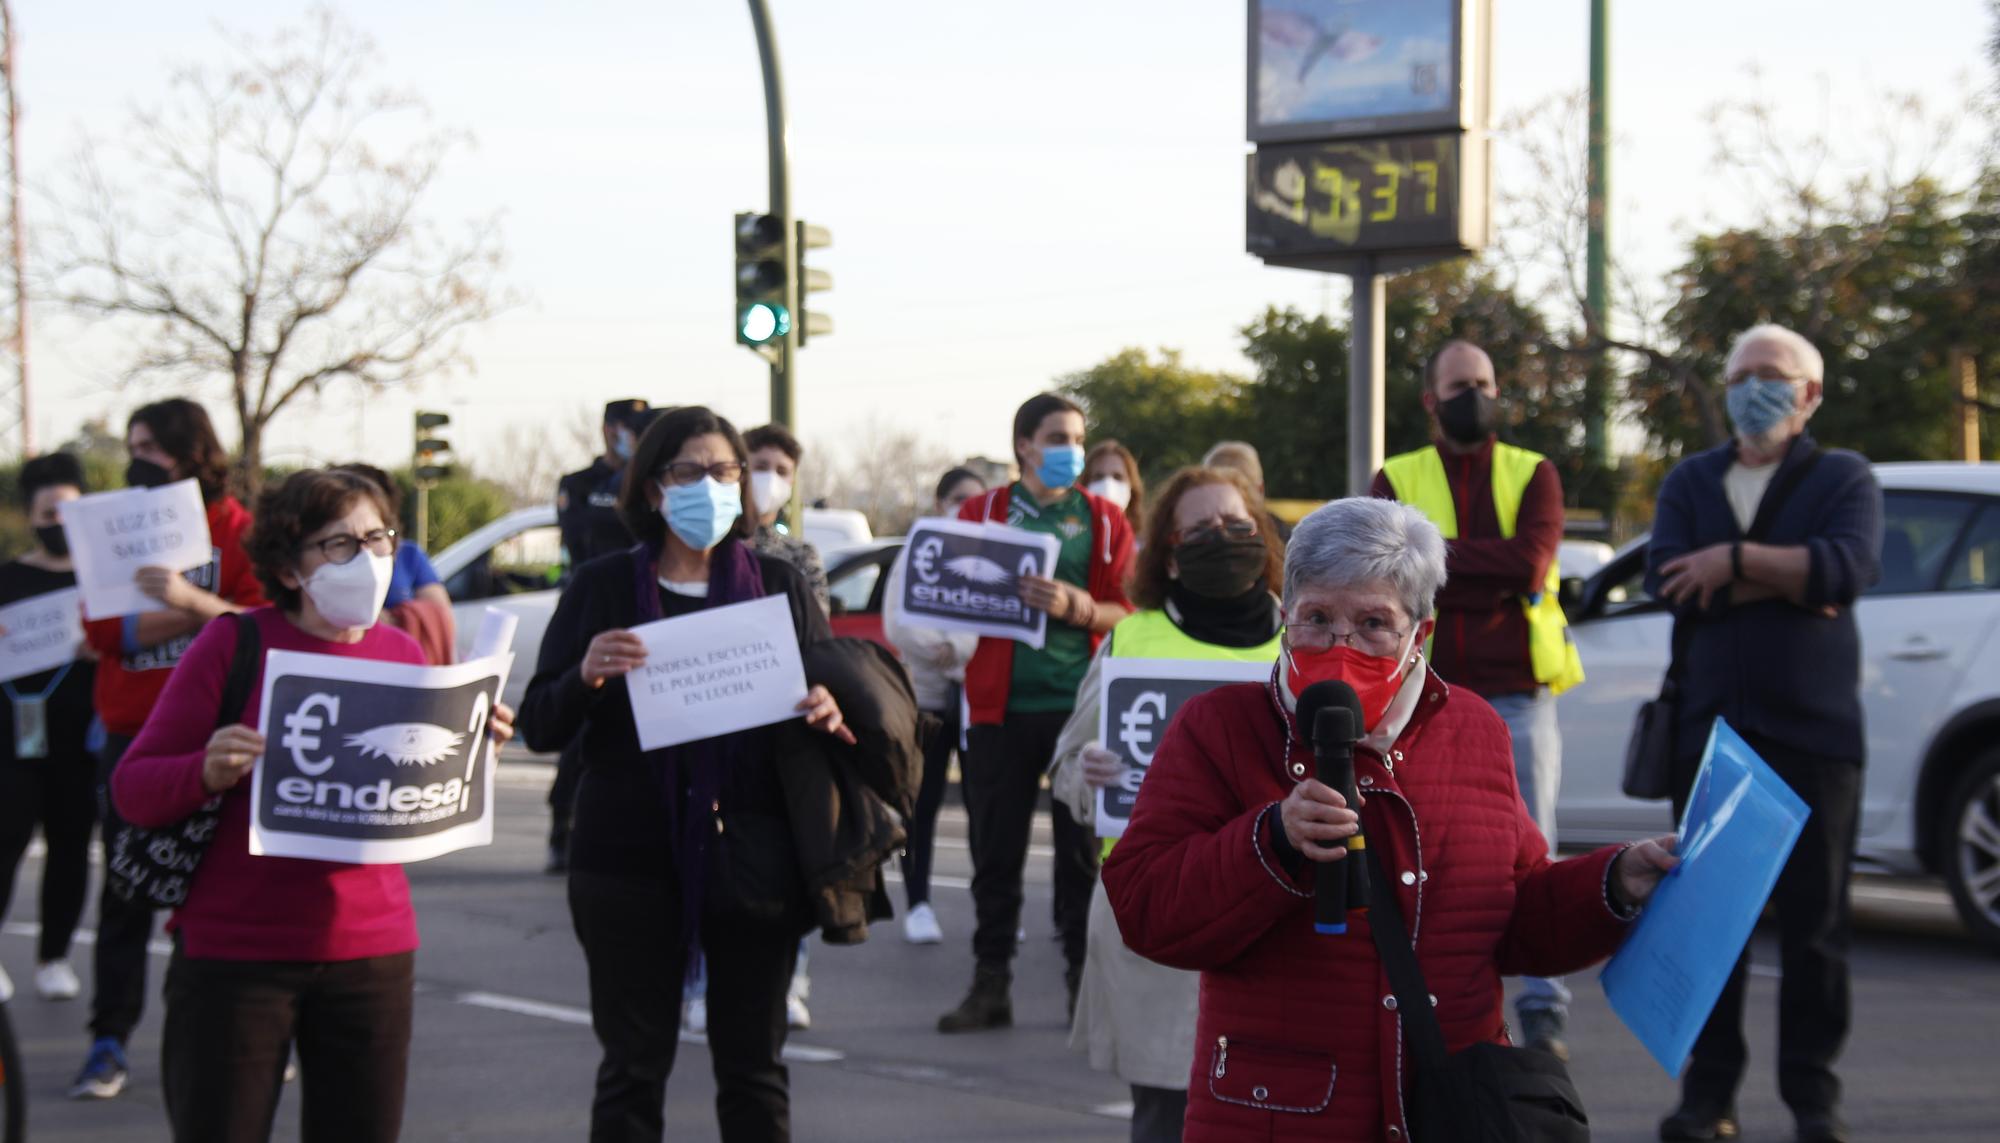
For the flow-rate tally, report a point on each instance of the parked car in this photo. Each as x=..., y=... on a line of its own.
x=513, y=563
x=1930, y=643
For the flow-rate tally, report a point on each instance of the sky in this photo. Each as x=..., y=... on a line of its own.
x=1015, y=191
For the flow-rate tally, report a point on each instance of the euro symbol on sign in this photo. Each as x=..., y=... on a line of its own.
x=923, y=561
x=299, y=726
x=1137, y=723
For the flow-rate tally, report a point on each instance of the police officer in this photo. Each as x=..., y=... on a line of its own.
x=587, y=514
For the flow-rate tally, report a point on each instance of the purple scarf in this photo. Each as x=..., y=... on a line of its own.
x=733, y=577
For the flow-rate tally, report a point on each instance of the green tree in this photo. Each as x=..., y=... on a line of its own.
x=1167, y=412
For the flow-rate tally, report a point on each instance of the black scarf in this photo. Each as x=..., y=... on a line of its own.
x=1248, y=620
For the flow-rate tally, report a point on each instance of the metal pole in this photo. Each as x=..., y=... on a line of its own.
x=1366, y=364
x=423, y=517
x=19, y=336
x=784, y=376
x=1597, y=382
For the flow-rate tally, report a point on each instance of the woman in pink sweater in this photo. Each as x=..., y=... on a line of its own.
x=269, y=951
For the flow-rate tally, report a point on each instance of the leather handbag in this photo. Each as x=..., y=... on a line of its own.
x=1649, y=752
x=1488, y=1093
x=156, y=866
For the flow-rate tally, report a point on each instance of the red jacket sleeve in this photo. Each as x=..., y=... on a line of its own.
x=1562, y=922
x=1112, y=589
x=1517, y=566
x=158, y=781
x=1193, y=882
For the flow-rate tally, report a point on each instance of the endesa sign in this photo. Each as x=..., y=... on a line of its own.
x=967, y=577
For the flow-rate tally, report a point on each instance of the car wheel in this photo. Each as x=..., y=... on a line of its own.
x=1972, y=868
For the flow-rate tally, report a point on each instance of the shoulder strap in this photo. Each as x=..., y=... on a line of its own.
x=1399, y=960
x=243, y=665
x=1779, y=492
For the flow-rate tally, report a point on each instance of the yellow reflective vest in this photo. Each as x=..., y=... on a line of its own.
x=1419, y=480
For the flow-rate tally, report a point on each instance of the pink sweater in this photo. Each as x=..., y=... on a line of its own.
x=258, y=908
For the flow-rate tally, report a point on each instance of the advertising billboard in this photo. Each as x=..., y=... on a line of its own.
x=1323, y=69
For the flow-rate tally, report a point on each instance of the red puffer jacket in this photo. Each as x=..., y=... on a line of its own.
x=1298, y=1037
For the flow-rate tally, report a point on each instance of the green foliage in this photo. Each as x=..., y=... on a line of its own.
x=459, y=505
x=1166, y=412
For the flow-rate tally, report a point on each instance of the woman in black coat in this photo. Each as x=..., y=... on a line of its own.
x=684, y=848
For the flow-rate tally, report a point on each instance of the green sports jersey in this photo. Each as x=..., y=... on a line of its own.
x=1046, y=680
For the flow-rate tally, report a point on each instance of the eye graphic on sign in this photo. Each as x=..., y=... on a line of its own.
x=407, y=743
x=299, y=726
x=977, y=569
x=1137, y=723
x=923, y=561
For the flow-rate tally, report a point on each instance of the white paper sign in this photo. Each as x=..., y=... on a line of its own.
x=718, y=671
x=1139, y=698
x=43, y=632
x=374, y=763
x=961, y=576
x=114, y=534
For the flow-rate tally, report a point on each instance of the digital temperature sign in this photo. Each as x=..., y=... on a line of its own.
x=1314, y=203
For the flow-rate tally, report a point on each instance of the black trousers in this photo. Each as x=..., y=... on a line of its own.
x=118, y=985
x=58, y=793
x=1158, y=1114
x=1003, y=776
x=562, y=794
x=1814, y=923
x=231, y=1025
x=922, y=844
x=634, y=949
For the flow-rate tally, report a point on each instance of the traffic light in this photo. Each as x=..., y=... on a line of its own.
x=433, y=452
x=761, y=316
x=812, y=323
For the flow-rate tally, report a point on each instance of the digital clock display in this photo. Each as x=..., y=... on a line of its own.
x=1331, y=199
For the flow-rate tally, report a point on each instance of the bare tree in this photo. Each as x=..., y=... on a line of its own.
x=887, y=473
x=530, y=458
x=259, y=237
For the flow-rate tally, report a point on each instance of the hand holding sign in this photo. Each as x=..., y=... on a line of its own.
x=232, y=750
x=127, y=543
x=988, y=579
x=721, y=670
x=1139, y=699
x=611, y=655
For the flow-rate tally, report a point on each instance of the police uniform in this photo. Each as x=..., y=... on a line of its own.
x=587, y=513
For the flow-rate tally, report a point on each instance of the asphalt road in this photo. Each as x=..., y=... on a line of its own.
x=504, y=1052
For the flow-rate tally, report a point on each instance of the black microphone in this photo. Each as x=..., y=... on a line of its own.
x=1331, y=713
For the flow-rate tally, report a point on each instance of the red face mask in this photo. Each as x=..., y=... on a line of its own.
x=1375, y=678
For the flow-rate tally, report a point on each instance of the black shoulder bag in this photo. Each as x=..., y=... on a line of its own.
x=1649, y=753
x=1488, y=1093
x=157, y=865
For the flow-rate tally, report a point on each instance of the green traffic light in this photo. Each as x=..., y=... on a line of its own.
x=761, y=322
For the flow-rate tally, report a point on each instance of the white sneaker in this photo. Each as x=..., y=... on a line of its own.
x=920, y=926
x=796, y=1016
x=56, y=980
x=696, y=1020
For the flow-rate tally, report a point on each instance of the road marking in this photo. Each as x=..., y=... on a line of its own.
x=566, y=1014
x=1114, y=1110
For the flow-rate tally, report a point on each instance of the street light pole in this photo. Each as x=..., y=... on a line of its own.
x=784, y=375
x=1597, y=256
x=1367, y=358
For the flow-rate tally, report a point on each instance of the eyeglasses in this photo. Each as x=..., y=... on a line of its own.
x=685, y=472
x=1372, y=634
x=1763, y=373
x=344, y=547
x=1234, y=529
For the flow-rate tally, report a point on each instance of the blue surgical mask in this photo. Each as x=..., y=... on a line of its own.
x=621, y=446
x=701, y=513
x=1758, y=404
x=1061, y=465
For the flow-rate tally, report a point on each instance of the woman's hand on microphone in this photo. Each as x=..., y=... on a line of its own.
x=1314, y=814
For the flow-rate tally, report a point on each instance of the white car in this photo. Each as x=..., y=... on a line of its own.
x=513, y=563
x=1930, y=689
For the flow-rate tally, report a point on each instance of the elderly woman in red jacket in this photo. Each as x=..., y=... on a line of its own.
x=1298, y=1037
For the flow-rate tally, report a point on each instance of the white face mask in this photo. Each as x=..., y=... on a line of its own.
x=350, y=595
x=770, y=489
x=1112, y=488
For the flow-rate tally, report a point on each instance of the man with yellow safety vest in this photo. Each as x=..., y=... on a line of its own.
x=1500, y=629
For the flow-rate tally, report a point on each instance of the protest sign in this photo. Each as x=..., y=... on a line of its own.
x=717, y=671
x=372, y=762
x=42, y=633
x=1740, y=825
x=114, y=534
x=1138, y=699
x=960, y=576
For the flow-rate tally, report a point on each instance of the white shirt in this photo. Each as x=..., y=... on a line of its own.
x=1745, y=486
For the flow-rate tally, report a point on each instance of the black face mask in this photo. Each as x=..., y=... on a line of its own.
x=53, y=539
x=1469, y=417
x=1221, y=568
x=146, y=474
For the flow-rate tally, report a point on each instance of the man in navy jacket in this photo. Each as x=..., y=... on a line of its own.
x=1761, y=546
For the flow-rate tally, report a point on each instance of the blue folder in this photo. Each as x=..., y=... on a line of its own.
x=1740, y=826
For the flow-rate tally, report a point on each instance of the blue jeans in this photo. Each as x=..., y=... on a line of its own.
x=1531, y=723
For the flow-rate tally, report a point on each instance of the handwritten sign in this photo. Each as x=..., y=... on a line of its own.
x=718, y=671
x=43, y=632
x=374, y=763
x=959, y=576
x=114, y=534
x=1140, y=697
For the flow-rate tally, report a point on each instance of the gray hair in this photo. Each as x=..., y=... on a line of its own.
x=1804, y=352
x=1361, y=540
x=1239, y=455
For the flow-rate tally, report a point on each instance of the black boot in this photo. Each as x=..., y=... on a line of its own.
x=986, y=1006
x=1073, y=980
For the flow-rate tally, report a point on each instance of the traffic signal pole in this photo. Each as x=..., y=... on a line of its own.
x=1597, y=256
x=1367, y=369
x=784, y=375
